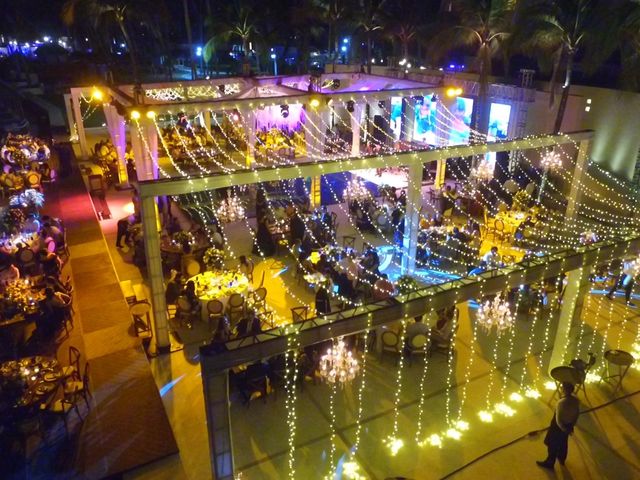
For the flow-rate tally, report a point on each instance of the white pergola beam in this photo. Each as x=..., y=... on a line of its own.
x=180, y=185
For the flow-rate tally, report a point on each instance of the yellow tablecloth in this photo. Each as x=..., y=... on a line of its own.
x=219, y=286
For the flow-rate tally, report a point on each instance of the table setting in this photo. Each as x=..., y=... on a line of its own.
x=28, y=381
x=219, y=285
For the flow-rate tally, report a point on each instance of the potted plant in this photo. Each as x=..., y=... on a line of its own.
x=406, y=284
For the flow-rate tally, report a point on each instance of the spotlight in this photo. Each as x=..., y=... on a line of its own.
x=381, y=103
x=96, y=95
x=350, y=106
x=151, y=114
x=135, y=115
x=315, y=103
x=284, y=111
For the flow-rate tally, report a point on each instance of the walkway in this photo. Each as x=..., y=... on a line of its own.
x=127, y=425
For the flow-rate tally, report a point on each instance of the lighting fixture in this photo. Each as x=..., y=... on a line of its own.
x=483, y=171
x=551, y=160
x=338, y=364
x=135, y=115
x=496, y=313
x=284, y=111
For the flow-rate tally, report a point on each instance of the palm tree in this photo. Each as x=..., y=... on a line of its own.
x=103, y=12
x=234, y=22
x=559, y=30
x=187, y=26
x=485, y=26
x=334, y=14
x=370, y=19
x=404, y=23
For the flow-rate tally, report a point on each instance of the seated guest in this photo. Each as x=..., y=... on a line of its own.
x=54, y=232
x=402, y=199
x=443, y=329
x=345, y=287
x=54, y=308
x=189, y=293
x=216, y=238
x=296, y=227
x=323, y=303
x=383, y=288
x=415, y=328
x=245, y=266
x=123, y=229
x=8, y=272
x=492, y=258
x=326, y=219
x=349, y=266
x=458, y=235
x=50, y=263
x=323, y=265
x=31, y=224
x=255, y=325
x=437, y=221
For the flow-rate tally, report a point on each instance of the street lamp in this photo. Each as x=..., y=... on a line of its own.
x=275, y=63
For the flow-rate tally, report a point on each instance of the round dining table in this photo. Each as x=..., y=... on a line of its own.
x=219, y=286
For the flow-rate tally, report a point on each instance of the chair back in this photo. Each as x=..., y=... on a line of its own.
x=530, y=188
x=215, y=307
x=192, y=268
x=390, y=339
x=418, y=342
x=26, y=255
x=348, y=241
x=236, y=301
x=260, y=294
x=74, y=358
x=499, y=225
x=33, y=179
x=502, y=207
x=299, y=314
x=447, y=213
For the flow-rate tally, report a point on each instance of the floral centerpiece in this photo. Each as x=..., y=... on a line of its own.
x=182, y=238
x=406, y=284
x=30, y=198
x=213, y=258
x=20, y=294
x=212, y=285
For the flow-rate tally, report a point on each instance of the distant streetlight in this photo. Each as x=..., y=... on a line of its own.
x=275, y=64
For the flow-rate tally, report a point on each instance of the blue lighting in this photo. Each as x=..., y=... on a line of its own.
x=198, y=51
x=170, y=385
x=343, y=48
x=345, y=40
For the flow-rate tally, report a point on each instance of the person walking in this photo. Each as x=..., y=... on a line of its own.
x=562, y=423
x=626, y=279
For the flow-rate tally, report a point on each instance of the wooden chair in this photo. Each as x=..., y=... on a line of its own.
x=348, y=241
x=299, y=314
x=140, y=311
x=62, y=407
x=417, y=345
x=236, y=308
x=73, y=369
x=260, y=299
x=390, y=343
x=80, y=388
x=183, y=312
x=215, y=310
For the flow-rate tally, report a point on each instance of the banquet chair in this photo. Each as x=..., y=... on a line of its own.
x=390, y=343
x=348, y=241
x=215, y=311
x=33, y=181
x=236, y=308
x=499, y=230
x=447, y=215
x=27, y=261
x=183, y=312
x=73, y=369
x=80, y=387
x=260, y=299
x=444, y=346
x=62, y=407
x=417, y=345
x=299, y=314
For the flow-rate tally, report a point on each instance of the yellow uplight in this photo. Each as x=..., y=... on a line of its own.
x=97, y=94
x=453, y=92
x=435, y=440
x=135, y=115
x=315, y=103
x=485, y=416
x=151, y=114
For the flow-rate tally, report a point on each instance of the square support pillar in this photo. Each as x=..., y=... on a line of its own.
x=116, y=127
x=577, y=288
x=356, y=128
x=249, y=124
x=441, y=171
x=79, y=123
x=144, y=141
x=216, y=402
x=149, y=213
x=317, y=121
x=412, y=218
x=206, y=119
x=579, y=172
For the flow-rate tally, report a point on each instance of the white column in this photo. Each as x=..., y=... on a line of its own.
x=577, y=288
x=206, y=117
x=70, y=121
x=412, y=218
x=144, y=141
x=441, y=170
x=249, y=122
x=579, y=171
x=356, y=122
x=149, y=213
x=317, y=121
x=116, y=127
x=79, y=123
x=216, y=401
